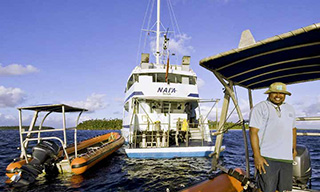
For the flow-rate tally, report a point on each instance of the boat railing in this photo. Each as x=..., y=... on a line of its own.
x=155, y=129
x=308, y=133
x=24, y=151
x=45, y=131
x=27, y=135
x=159, y=129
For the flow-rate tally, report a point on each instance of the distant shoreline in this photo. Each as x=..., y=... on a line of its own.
x=24, y=127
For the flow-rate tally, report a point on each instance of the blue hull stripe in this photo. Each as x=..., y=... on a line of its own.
x=193, y=95
x=133, y=94
x=168, y=155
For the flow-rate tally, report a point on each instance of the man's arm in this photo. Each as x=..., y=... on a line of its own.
x=259, y=161
x=294, y=144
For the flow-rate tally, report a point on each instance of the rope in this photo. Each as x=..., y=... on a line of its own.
x=175, y=23
x=140, y=37
x=149, y=21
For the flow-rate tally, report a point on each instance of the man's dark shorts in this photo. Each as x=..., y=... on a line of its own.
x=278, y=176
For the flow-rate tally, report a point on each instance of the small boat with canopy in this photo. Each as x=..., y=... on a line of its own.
x=47, y=150
x=291, y=58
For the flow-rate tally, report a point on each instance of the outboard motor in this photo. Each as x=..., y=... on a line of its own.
x=302, y=167
x=43, y=157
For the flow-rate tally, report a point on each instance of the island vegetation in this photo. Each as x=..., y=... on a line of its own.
x=113, y=124
x=101, y=124
x=116, y=124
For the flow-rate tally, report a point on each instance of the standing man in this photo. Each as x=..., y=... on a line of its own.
x=273, y=140
x=190, y=109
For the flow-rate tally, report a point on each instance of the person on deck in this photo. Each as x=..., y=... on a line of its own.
x=190, y=109
x=273, y=140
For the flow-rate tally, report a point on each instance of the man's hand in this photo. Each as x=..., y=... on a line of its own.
x=259, y=163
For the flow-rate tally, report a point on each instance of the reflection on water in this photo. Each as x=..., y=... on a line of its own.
x=118, y=173
x=173, y=174
x=76, y=181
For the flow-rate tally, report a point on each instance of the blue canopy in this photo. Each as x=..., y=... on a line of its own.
x=290, y=58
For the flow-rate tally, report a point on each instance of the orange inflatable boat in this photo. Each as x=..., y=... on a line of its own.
x=221, y=183
x=90, y=152
x=47, y=155
x=111, y=143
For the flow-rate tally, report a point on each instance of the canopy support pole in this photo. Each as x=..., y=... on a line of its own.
x=229, y=90
x=250, y=98
x=223, y=117
x=29, y=135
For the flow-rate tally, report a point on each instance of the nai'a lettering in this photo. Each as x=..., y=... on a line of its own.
x=166, y=90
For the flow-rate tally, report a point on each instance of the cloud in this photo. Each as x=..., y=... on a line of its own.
x=119, y=100
x=313, y=109
x=308, y=106
x=8, y=120
x=93, y=103
x=177, y=45
x=85, y=118
x=205, y=109
x=17, y=69
x=200, y=82
x=10, y=97
x=244, y=107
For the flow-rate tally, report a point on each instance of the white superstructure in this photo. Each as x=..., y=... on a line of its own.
x=150, y=98
x=161, y=107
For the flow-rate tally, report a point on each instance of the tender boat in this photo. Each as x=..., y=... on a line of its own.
x=162, y=116
x=44, y=150
x=290, y=58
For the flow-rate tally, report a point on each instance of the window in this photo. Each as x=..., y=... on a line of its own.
x=134, y=78
x=192, y=80
x=164, y=106
x=161, y=78
x=126, y=106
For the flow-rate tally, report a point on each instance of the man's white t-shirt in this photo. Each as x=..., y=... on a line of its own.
x=275, y=129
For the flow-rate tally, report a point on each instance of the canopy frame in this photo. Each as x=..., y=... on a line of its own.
x=57, y=108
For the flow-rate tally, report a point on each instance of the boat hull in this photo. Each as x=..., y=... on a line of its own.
x=170, y=152
x=223, y=182
x=80, y=164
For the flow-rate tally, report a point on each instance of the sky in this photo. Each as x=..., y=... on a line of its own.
x=81, y=52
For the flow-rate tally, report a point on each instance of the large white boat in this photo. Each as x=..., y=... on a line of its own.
x=161, y=108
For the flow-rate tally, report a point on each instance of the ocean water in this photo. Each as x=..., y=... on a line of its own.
x=119, y=173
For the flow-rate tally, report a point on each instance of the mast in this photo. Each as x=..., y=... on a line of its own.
x=158, y=33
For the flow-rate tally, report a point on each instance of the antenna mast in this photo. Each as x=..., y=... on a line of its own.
x=158, y=33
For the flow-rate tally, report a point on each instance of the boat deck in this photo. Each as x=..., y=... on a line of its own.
x=193, y=143
x=194, y=149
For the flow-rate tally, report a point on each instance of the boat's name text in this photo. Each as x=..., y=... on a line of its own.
x=166, y=90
